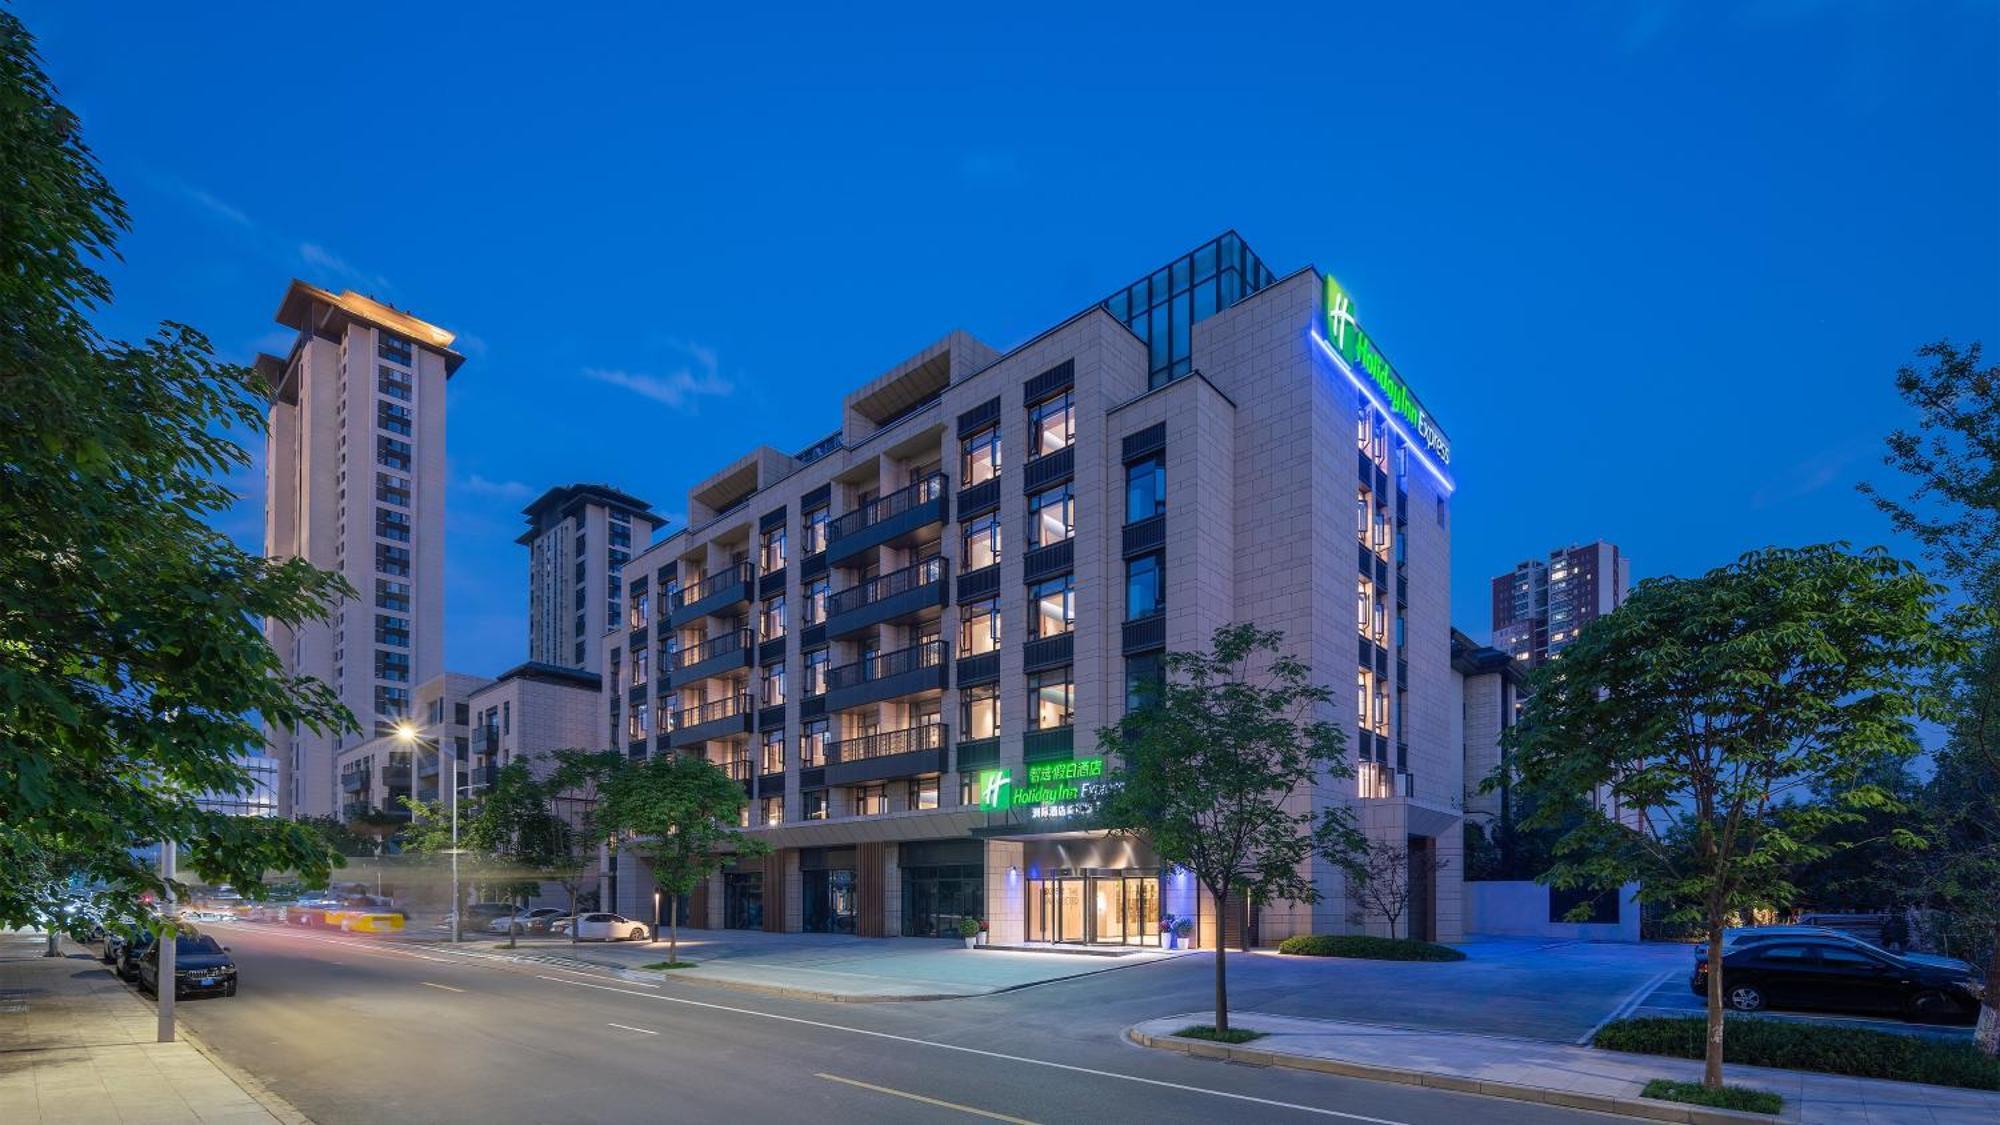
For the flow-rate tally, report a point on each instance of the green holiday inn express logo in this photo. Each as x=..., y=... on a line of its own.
x=1049, y=783
x=996, y=790
x=1344, y=335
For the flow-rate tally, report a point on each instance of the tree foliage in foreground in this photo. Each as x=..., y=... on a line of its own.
x=132, y=662
x=681, y=813
x=1704, y=739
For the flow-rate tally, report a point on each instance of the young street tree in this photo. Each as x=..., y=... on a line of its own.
x=1382, y=884
x=1214, y=767
x=132, y=663
x=514, y=824
x=1701, y=739
x=682, y=814
x=1953, y=509
x=573, y=787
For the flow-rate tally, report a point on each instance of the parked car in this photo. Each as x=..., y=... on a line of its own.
x=610, y=927
x=130, y=949
x=560, y=926
x=207, y=914
x=528, y=920
x=202, y=966
x=1836, y=975
x=1757, y=935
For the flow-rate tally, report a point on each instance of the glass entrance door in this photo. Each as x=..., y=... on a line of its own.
x=1056, y=910
x=1142, y=909
x=1108, y=901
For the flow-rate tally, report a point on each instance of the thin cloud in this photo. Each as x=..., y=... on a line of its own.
x=327, y=262
x=1807, y=477
x=497, y=489
x=300, y=256
x=681, y=389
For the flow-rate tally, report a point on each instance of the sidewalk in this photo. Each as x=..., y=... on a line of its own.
x=1556, y=1074
x=831, y=967
x=76, y=1045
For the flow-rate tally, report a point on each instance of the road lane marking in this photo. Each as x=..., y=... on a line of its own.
x=1626, y=1006
x=446, y=987
x=1072, y=1068
x=976, y=1112
x=629, y=1027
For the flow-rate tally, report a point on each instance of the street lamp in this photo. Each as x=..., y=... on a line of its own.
x=410, y=735
x=656, y=914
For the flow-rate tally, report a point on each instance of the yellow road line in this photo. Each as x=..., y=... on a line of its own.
x=989, y=1114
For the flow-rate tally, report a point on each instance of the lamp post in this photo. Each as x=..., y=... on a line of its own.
x=409, y=734
x=656, y=914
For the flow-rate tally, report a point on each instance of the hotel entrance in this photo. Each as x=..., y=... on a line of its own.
x=1095, y=908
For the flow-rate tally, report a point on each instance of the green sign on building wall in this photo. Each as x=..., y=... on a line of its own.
x=1049, y=783
x=1344, y=335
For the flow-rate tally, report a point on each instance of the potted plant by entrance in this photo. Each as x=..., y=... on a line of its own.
x=1181, y=929
x=968, y=928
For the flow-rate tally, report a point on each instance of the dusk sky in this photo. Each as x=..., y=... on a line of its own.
x=1653, y=265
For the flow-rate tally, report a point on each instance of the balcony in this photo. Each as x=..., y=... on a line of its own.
x=354, y=780
x=887, y=519
x=978, y=753
x=1049, y=744
x=888, y=675
x=899, y=593
x=738, y=769
x=718, y=719
x=427, y=766
x=725, y=588
x=713, y=657
x=895, y=753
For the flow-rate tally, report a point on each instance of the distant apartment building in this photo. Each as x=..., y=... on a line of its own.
x=1541, y=605
x=260, y=799
x=579, y=537
x=354, y=472
x=1489, y=693
x=377, y=773
x=531, y=711
x=901, y=639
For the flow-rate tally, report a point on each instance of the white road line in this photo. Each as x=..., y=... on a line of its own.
x=1625, y=1006
x=629, y=1027
x=446, y=987
x=985, y=1053
x=973, y=1110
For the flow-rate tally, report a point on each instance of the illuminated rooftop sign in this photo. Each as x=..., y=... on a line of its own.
x=1344, y=337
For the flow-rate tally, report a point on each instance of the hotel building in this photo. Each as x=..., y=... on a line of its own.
x=354, y=470
x=1541, y=605
x=901, y=639
x=579, y=538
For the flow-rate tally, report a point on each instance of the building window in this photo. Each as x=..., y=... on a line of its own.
x=1051, y=699
x=1145, y=587
x=392, y=666
x=392, y=630
x=815, y=529
x=393, y=383
x=392, y=489
x=774, y=752
x=392, y=454
x=870, y=800
x=981, y=461
x=1145, y=674
x=1052, y=607
x=1371, y=523
x=1051, y=516
x=774, y=811
x=1146, y=488
x=1371, y=701
x=640, y=662
x=980, y=711
x=392, y=595
x=816, y=593
x=812, y=744
x=814, y=801
x=392, y=560
x=774, y=684
x=1052, y=424
x=395, y=419
x=641, y=606
x=771, y=551
x=636, y=723
x=392, y=348
x=924, y=793
x=391, y=703
x=817, y=662
x=1371, y=611
x=981, y=546
x=979, y=627
x=771, y=619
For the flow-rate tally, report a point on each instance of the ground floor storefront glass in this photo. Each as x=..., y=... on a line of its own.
x=743, y=901
x=936, y=899
x=827, y=890
x=1095, y=908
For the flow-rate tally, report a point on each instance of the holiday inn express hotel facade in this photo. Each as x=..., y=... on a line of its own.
x=902, y=639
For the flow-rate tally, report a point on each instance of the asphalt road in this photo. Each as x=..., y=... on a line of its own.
x=354, y=1030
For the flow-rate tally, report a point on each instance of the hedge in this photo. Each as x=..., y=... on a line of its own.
x=1798, y=1046
x=1738, y=1098
x=1368, y=948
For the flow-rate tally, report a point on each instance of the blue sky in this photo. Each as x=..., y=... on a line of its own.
x=1652, y=264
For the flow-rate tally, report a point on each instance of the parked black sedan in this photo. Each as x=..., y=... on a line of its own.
x=1839, y=976
x=202, y=966
x=128, y=949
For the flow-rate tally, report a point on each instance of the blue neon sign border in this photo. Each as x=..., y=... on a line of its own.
x=1395, y=420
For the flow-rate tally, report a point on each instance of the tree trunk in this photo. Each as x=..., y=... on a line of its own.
x=1711, y=1074
x=514, y=922
x=1987, y=1036
x=1221, y=961
x=55, y=944
x=572, y=915
x=674, y=931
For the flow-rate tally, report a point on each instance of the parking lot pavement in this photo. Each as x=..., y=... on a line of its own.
x=1674, y=998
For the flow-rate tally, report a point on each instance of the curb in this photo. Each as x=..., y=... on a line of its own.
x=1643, y=1108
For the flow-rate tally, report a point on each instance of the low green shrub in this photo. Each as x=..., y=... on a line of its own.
x=1740, y=1098
x=1204, y=1031
x=1797, y=1046
x=1368, y=948
x=668, y=965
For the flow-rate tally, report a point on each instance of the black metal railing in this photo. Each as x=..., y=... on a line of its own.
x=735, y=640
x=909, y=740
x=886, y=586
x=740, y=573
x=883, y=507
x=728, y=707
x=881, y=666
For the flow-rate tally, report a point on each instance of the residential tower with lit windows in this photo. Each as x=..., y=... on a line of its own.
x=901, y=639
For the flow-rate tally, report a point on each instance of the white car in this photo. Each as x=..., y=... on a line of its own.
x=528, y=920
x=610, y=927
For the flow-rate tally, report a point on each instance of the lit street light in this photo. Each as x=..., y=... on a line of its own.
x=409, y=734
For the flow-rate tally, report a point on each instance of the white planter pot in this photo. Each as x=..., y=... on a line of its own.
x=970, y=942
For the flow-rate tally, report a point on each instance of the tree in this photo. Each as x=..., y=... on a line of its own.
x=1214, y=766
x=132, y=664
x=682, y=811
x=573, y=787
x=1706, y=735
x=337, y=836
x=1953, y=510
x=1382, y=884
x=513, y=824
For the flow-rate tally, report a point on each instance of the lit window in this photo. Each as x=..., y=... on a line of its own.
x=1145, y=587
x=1052, y=424
x=1052, y=611
x=979, y=628
x=1145, y=488
x=981, y=461
x=981, y=708
x=981, y=546
x=1051, y=516
x=1051, y=699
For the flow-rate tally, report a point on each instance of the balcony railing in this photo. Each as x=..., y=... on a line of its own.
x=728, y=707
x=887, y=518
x=714, y=655
x=738, y=769
x=887, y=586
x=882, y=666
x=724, y=588
x=909, y=740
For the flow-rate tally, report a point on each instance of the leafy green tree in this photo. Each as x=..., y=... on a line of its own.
x=1705, y=737
x=1215, y=766
x=573, y=787
x=681, y=813
x=337, y=836
x=513, y=824
x=1953, y=510
x=132, y=663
